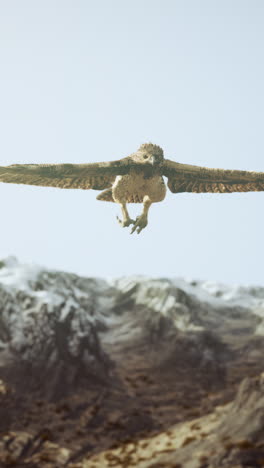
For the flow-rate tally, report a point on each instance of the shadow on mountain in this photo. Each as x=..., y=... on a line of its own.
x=90, y=367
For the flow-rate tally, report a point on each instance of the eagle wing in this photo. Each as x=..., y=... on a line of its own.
x=197, y=179
x=96, y=176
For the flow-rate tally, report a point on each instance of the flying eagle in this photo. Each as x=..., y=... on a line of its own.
x=137, y=178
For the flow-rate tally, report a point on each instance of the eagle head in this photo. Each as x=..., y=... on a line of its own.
x=148, y=153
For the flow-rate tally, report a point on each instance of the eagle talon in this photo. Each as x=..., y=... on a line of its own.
x=125, y=223
x=141, y=223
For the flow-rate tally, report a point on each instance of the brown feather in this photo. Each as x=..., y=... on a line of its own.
x=96, y=176
x=196, y=179
x=106, y=195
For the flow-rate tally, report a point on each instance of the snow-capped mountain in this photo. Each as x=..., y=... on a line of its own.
x=123, y=356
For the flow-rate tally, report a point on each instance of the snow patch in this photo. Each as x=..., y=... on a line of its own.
x=18, y=275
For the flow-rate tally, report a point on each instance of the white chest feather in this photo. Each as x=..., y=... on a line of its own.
x=133, y=188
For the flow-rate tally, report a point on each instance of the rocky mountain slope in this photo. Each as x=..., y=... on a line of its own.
x=89, y=367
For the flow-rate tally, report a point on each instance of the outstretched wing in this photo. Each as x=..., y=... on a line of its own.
x=97, y=176
x=196, y=179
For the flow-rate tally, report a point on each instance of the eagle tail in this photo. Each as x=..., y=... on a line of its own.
x=106, y=195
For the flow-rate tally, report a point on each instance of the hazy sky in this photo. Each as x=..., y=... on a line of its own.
x=84, y=81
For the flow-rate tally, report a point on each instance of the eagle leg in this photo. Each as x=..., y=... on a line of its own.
x=142, y=220
x=126, y=221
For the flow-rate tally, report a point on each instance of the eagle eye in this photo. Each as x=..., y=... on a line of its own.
x=145, y=156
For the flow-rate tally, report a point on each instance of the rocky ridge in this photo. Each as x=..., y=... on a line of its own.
x=89, y=366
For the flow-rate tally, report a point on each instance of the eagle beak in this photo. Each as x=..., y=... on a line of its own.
x=152, y=160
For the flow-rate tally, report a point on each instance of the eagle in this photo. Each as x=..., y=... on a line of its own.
x=137, y=178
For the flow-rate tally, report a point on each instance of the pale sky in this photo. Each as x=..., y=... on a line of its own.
x=83, y=81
